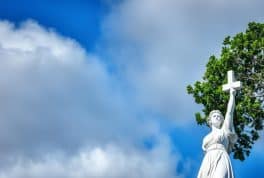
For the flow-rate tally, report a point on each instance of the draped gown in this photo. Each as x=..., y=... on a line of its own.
x=216, y=163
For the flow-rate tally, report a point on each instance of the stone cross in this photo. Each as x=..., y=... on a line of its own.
x=231, y=82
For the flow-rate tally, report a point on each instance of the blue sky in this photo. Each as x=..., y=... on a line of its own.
x=78, y=19
x=98, y=88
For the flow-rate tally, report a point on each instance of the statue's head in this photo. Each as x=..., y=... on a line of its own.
x=215, y=119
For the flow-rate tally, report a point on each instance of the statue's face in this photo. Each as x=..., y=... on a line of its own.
x=216, y=120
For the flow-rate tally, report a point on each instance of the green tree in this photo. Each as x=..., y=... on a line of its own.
x=244, y=54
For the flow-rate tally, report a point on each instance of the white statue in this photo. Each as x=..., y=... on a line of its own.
x=220, y=141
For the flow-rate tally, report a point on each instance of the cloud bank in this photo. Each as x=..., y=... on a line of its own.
x=63, y=114
x=161, y=46
x=110, y=161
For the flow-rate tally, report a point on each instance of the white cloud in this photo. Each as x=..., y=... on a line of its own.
x=103, y=162
x=161, y=46
x=55, y=95
x=55, y=99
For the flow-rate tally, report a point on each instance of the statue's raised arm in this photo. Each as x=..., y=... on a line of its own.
x=231, y=86
x=228, y=122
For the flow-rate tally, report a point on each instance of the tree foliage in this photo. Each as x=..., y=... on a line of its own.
x=244, y=54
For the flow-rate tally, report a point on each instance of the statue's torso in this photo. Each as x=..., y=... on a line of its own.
x=216, y=137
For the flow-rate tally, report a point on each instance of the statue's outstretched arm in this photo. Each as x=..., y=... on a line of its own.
x=228, y=123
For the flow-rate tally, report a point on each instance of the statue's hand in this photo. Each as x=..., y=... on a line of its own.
x=232, y=91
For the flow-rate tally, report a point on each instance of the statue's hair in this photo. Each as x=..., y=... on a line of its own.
x=210, y=115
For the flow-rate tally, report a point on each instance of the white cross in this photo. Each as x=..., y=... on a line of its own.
x=232, y=83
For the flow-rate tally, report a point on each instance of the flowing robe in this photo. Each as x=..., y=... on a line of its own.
x=216, y=162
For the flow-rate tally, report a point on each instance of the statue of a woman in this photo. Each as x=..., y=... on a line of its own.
x=219, y=143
